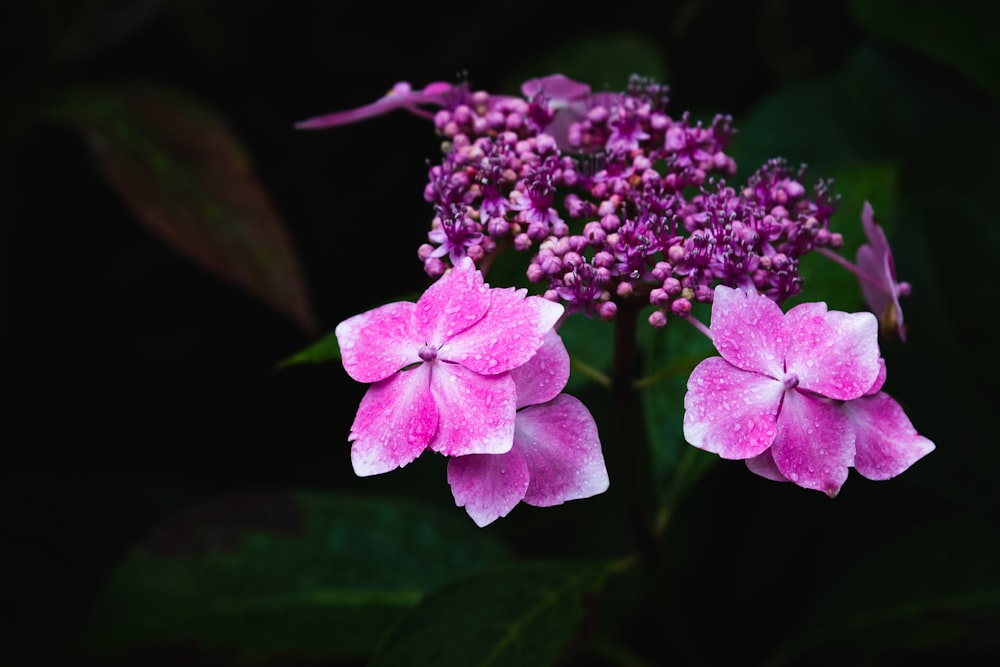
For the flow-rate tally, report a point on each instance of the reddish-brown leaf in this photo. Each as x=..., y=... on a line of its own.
x=186, y=177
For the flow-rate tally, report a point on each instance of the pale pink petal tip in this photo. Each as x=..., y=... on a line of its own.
x=488, y=486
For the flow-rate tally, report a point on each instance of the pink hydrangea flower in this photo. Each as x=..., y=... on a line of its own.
x=878, y=276
x=400, y=96
x=556, y=454
x=439, y=369
x=775, y=395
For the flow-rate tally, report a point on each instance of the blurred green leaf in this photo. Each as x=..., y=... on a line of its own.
x=185, y=176
x=325, y=349
x=590, y=341
x=312, y=576
x=959, y=34
x=800, y=123
x=668, y=357
x=525, y=614
x=906, y=596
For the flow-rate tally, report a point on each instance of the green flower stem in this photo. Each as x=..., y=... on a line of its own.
x=674, y=492
x=633, y=448
x=590, y=372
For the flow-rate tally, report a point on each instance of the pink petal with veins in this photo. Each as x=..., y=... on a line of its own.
x=394, y=424
x=747, y=330
x=376, y=344
x=814, y=445
x=455, y=302
x=488, y=487
x=730, y=412
x=507, y=336
x=476, y=412
x=545, y=374
x=834, y=354
x=886, y=442
x=560, y=443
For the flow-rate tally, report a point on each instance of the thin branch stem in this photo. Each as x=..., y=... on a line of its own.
x=590, y=372
x=853, y=268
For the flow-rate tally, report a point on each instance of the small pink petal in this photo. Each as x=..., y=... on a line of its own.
x=834, y=354
x=814, y=445
x=730, y=412
x=376, y=344
x=886, y=442
x=556, y=88
x=476, y=412
x=878, y=284
x=488, y=486
x=394, y=423
x=455, y=302
x=879, y=379
x=507, y=336
x=560, y=443
x=876, y=237
x=763, y=464
x=747, y=330
x=543, y=376
x=399, y=97
x=879, y=297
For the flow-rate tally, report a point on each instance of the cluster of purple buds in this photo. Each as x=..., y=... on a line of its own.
x=616, y=199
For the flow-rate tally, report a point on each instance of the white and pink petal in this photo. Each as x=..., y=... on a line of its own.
x=814, y=445
x=834, y=354
x=456, y=301
x=730, y=412
x=394, y=424
x=562, y=448
x=747, y=330
x=475, y=412
x=885, y=440
x=543, y=376
x=507, y=336
x=379, y=342
x=488, y=486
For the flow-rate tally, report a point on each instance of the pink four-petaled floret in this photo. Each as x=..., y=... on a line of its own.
x=440, y=369
x=797, y=395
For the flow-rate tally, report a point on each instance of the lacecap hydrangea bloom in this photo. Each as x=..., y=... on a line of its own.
x=621, y=205
x=797, y=395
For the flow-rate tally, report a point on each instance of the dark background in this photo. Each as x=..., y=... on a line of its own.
x=136, y=382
